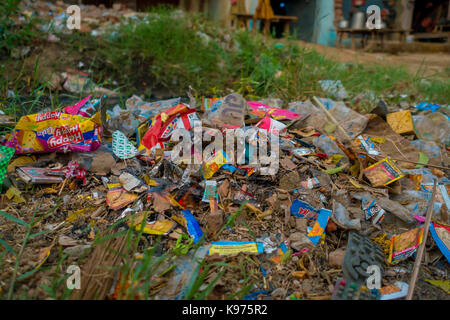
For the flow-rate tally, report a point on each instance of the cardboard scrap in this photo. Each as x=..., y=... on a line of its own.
x=401, y=122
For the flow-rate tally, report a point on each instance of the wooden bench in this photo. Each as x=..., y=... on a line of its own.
x=244, y=20
x=432, y=35
x=366, y=33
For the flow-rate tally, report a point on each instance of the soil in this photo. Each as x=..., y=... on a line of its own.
x=428, y=63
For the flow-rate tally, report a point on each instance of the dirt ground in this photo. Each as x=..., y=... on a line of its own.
x=429, y=63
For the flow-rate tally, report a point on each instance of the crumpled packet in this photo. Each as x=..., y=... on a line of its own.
x=73, y=170
x=163, y=125
x=260, y=110
x=55, y=132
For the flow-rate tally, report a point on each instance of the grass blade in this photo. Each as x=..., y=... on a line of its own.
x=14, y=219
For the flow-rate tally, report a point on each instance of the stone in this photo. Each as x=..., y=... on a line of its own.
x=279, y=293
x=301, y=224
x=336, y=257
x=302, y=243
x=296, y=236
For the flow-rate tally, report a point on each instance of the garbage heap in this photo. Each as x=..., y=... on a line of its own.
x=316, y=199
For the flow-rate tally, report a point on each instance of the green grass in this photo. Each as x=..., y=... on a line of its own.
x=173, y=51
x=170, y=51
x=12, y=34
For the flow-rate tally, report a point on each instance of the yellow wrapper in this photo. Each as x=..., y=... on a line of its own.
x=383, y=173
x=235, y=247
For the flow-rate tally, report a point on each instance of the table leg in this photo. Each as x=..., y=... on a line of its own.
x=286, y=29
x=353, y=40
x=266, y=26
x=340, y=35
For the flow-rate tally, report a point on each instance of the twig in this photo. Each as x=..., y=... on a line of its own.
x=421, y=250
x=62, y=187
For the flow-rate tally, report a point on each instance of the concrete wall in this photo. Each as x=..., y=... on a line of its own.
x=305, y=11
x=325, y=31
x=405, y=10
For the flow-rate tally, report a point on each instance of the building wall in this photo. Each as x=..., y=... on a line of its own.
x=325, y=31
x=305, y=11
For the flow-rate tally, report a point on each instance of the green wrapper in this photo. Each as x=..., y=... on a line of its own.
x=6, y=153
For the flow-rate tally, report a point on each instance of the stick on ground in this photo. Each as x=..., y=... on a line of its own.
x=421, y=250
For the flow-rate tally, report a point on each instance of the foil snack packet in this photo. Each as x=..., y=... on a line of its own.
x=55, y=132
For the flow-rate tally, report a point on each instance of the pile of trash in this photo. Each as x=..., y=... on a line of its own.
x=96, y=19
x=325, y=202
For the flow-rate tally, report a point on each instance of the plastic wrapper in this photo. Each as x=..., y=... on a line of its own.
x=192, y=226
x=334, y=87
x=55, y=132
x=441, y=235
x=210, y=191
x=405, y=245
x=383, y=173
x=366, y=144
x=316, y=232
x=118, y=198
x=426, y=106
x=342, y=217
x=213, y=164
x=163, y=125
x=228, y=112
x=122, y=147
x=373, y=212
x=261, y=110
x=397, y=291
x=272, y=126
x=432, y=127
x=301, y=209
x=327, y=145
x=84, y=108
x=235, y=247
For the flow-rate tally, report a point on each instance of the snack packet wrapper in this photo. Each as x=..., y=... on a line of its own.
x=383, y=173
x=366, y=144
x=192, y=225
x=302, y=209
x=212, y=165
x=260, y=110
x=163, y=125
x=441, y=235
x=272, y=126
x=235, y=247
x=55, y=132
x=405, y=244
x=316, y=232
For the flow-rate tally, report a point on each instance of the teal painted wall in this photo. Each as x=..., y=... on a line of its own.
x=324, y=30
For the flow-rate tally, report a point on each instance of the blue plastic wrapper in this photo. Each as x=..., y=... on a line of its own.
x=301, y=209
x=192, y=225
x=426, y=106
x=319, y=228
x=441, y=245
x=254, y=295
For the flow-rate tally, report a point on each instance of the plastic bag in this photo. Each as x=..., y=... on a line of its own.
x=432, y=127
